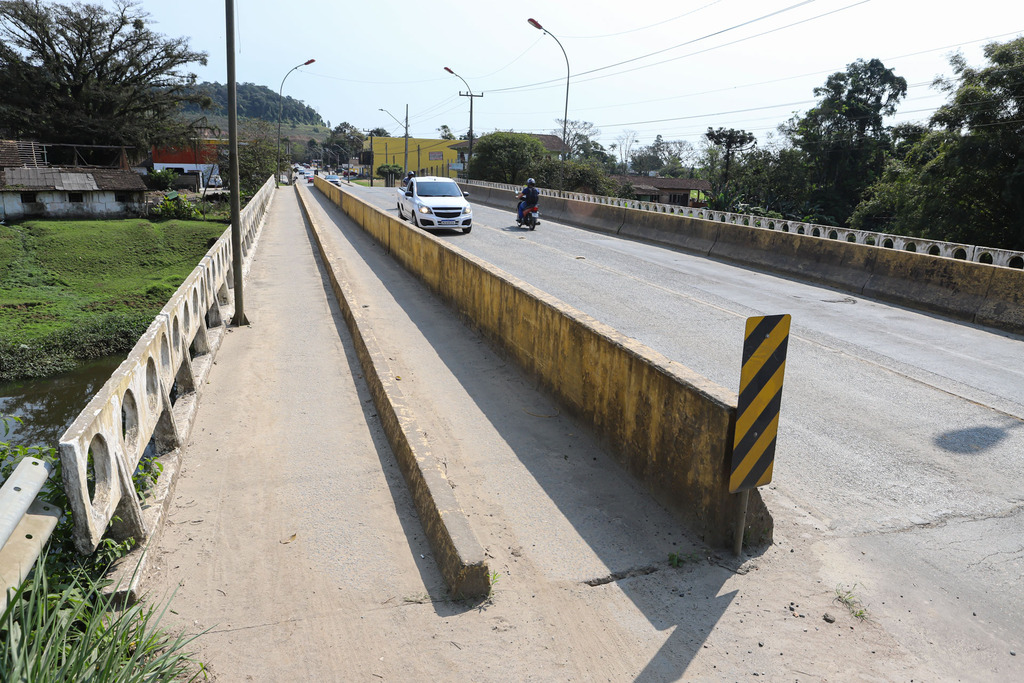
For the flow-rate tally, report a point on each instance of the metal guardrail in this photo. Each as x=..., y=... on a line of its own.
x=25, y=522
x=968, y=252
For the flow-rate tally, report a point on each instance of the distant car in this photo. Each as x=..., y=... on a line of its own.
x=309, y=178
x=215, y=181
x=332, y=179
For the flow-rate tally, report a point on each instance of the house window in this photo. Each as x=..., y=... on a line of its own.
x=679, y=198
x=122, y=197
x=76, y=197
x=28, y=197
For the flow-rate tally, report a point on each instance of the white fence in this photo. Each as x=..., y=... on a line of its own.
x=998, y=257
x=152, y=396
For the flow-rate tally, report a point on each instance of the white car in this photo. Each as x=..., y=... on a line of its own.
x=432, y=202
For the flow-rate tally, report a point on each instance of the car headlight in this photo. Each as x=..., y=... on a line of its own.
x=424, y=209
x=467, y=210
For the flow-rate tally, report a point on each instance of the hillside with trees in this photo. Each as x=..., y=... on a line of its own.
x=254, y=102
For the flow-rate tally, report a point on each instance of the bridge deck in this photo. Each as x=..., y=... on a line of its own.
x=293, y=538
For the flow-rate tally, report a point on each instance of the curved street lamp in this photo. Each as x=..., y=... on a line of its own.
x=470, y=96
x=565, y=117
x=280, y=108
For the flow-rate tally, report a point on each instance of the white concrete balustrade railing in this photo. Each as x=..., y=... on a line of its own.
x=151, y=398
x=968, y=252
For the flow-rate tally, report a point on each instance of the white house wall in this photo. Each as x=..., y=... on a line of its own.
x=56, y=205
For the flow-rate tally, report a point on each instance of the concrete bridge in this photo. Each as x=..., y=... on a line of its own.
x=343, y=472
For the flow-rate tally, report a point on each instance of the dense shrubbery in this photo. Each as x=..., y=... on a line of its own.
x=174, y=206
x=161, y=180
x=62, y=350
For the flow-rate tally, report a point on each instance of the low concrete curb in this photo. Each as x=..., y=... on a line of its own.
x=459, y=555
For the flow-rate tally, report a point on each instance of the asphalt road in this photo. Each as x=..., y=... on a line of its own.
x=901, y=436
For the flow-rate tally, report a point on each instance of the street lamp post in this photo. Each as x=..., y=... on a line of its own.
x=280, y=109
x=406, y=124
x=565, y=117
x=470, y=95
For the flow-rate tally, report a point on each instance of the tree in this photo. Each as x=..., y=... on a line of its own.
x=392, y=170
x=625, y=143
x=645, y=161
x=504, y=157
x=594, y=152
x=446, y=133
x=347, y=138
x=574, y=176
x=579, y=137
x=965, y=181
x=257, y=157
x=380, y=133
x=732, y=141
x=88, y=75
x=843, y=137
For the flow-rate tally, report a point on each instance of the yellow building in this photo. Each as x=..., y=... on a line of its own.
x=426, y=156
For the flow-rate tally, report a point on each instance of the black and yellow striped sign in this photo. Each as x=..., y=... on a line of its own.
x=757, y=412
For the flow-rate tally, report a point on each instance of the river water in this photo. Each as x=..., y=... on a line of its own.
x=47, y=407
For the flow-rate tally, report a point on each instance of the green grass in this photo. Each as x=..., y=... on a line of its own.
x=60, y=624
x=75, y=289
x=76, y=633
x=848, y=599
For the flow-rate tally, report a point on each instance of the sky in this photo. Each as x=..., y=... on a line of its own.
x=668, y=67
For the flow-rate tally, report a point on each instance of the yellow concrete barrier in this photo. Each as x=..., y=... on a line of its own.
x=667, y=425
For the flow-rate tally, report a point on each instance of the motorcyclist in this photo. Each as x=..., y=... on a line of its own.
x=408, y=176
x=529, y=196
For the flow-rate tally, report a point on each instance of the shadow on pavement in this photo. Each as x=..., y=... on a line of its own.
x=628, y=531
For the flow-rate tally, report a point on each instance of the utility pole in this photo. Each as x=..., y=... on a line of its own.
x=407, y=139
x=236, y=203
x=470, y=95
x=370, y=133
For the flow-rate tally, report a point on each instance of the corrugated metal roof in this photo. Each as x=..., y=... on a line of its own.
x=664, y=184
x=50, y=179
x=70, y=180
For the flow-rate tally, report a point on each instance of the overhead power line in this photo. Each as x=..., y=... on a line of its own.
x=644, y=28
x=667, y=49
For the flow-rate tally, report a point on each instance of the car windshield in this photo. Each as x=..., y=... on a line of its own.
x=438, y=189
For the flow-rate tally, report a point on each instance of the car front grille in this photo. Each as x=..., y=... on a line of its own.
x=448, y=212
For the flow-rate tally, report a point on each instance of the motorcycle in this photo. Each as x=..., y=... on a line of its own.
x=531, y=217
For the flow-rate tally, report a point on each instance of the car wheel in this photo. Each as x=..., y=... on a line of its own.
x=465, y=230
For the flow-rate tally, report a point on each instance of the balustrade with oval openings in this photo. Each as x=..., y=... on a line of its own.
x=140, y=410
x=998, y=257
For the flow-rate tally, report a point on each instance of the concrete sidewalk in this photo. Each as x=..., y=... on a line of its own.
x=289, y=506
